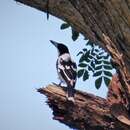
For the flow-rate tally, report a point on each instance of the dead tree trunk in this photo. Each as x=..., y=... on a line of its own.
x=88, y=113
x=106, y=22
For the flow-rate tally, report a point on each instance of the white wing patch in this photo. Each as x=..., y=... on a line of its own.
x=61, y=67
x=67, y=67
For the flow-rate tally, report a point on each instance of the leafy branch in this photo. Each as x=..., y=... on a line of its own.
x=93, y=60
x=75, y=34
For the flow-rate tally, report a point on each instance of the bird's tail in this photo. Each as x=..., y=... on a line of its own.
x=70, y=94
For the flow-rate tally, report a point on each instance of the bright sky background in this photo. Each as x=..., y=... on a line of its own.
x=27, y=62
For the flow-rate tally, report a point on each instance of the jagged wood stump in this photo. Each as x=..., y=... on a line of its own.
x=88, y=113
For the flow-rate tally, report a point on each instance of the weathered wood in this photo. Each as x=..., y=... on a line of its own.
x=116, y=93
x=118, y=61
x=88, y=113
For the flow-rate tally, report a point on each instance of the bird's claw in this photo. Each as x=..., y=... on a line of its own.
x=56, y=84
x=71, y=99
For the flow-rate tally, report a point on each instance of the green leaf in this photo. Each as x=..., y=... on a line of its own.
x=75, y=34
x=98, y=82
x=92, y=64
x=87, y=60
x=82, y=58
x=87, y=54
x=99, y=57
x=98, y=67
x=92, y=52
x=64, y=26
x=82, y=65
x=101, y=53
x=107, y=73
x=79, y=53
x=98, y=61
x=98, y=73
x=107, y=81
x=96, y=50
x=106, y=62
x=90, y=43
x=106, y=57
x=85, y=76
x=90, y=57
x=85, y=38
x=90, y=68
x=107, y=67
x=80, y=73
x=85, y=49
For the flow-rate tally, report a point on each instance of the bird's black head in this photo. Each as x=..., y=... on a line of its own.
x=61, y=47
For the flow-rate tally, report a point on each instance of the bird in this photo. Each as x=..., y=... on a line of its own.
x=66, y=69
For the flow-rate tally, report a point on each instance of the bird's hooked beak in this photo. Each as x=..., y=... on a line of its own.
x=54, y=43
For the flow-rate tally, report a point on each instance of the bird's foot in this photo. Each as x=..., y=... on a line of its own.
x=71, y=99
x=56, y=84
x=59, y=85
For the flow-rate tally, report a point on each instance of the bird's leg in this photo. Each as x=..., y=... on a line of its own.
x=57, y=84
x=70, y=94
x=60, y=83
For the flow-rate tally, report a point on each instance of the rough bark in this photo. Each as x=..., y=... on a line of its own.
x=106, y=22
x=89, y=112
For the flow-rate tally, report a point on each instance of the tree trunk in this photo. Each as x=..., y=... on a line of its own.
x=106, y=22
x=89, y=112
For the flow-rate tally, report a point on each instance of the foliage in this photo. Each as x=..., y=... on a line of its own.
x=75, y=34
x=96, y=61
x=93, y=60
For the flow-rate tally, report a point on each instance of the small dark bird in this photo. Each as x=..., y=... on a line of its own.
x=66, y=69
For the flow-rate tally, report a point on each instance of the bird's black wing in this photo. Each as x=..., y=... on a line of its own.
x=68, y=71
